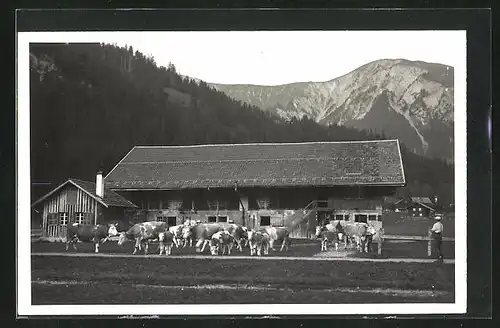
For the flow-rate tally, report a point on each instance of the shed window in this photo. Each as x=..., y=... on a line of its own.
x=363, y=218
x=63, y=218
x=212, y=219
x=52, y=219
x=222, y=218
x=265, y=220
x=83, y=218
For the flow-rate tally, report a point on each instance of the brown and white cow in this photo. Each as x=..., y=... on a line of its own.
x=326, y=235
x=359, y=233
x=166, y=240
x=259, y=242
x=202, y=232
x=176, y=231
x=278, y=234
x=142, y=232
x=239, y=234
x=220, y=242
x=98, y=234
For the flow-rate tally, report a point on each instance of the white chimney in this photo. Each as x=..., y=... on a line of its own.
x=99, y=185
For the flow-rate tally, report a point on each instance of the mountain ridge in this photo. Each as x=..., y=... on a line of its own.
x=420, y=92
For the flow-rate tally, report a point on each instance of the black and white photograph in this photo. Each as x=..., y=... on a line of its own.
x=258, y=172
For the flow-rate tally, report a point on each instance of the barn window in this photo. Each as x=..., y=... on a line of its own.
x=222, y=218
x=420, y=209
x=212, y=219
x=361, y=218
x=373, y=217
x=161, y=218
x=414, y=209
x=265, y=220
x=63, y=218
x=339, y=217
x=171, y=221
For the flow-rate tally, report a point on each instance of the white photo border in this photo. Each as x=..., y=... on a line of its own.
x=23, y=220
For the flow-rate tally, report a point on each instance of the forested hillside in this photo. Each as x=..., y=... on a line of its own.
x=91, y=103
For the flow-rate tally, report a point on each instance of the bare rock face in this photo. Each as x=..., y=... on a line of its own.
x=412, y=101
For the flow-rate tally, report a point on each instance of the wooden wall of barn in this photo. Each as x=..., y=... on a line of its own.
x=69, y=200
x=261, y=206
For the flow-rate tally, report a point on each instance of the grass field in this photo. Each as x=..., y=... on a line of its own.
x=305, y=248
x=140, y=280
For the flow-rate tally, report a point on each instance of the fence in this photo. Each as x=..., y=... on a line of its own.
x=427, y=238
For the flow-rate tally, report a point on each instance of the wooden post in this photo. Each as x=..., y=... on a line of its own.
x=429, y=245
x=380, y=240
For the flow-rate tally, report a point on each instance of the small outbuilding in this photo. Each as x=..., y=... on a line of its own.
x=78, y=201
x=421, y=207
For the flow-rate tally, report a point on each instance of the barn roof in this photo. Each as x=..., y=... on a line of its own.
x=110, y=199
x=259, y=165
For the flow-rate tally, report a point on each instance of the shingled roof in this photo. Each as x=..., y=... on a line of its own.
x=260, y=165
x=110, y=199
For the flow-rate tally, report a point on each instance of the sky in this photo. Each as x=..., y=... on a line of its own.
x=280, y=57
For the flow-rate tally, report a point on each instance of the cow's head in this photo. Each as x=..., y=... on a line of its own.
x=186, y=232
x=112, y=229
x=122, y=238
x=250, y=234
x=214, y=246
x=319, y=229
x=371, y=230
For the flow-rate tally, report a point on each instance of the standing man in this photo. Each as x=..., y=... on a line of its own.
x=437, y=231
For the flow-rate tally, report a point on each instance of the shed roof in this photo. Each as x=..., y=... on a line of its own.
x=110, y=199
x=424, y=201
x=376, y=162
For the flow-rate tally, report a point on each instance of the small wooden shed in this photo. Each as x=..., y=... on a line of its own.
x=78, y=201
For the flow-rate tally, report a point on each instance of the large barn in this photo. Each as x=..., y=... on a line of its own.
x=261, y=184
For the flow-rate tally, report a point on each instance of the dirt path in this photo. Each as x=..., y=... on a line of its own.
x=386, y=291
x=286, y=258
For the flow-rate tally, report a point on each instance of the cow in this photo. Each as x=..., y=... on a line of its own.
x=176, y=231
x=239, y=234
x=202, y=232
x=142, y=232
x=358, y=233
x=326, y=235
x=278, y=234
x=98, y=234
x=220, y=242
x=259, y=242
x=370, y=233
x=166, y=240
x=186, y=233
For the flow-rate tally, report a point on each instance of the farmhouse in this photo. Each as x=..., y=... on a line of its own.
x=78, y=201
x=421, y=207
x=262, y=184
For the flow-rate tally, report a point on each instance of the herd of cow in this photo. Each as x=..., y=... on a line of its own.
x=221, y=238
